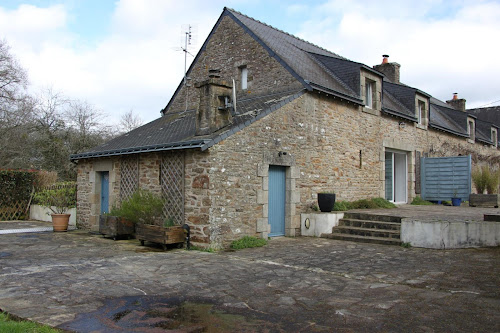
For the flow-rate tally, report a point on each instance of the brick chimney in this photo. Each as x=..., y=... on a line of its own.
x=456, y=103
x=213, y=113
x=389, y=69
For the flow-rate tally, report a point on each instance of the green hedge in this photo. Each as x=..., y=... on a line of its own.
x=16, y=186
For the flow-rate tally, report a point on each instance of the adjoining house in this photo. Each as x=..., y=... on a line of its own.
x=264, y=122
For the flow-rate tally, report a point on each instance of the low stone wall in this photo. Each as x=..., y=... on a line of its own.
x=450, y=235
x=319, y=223
x=41, y=213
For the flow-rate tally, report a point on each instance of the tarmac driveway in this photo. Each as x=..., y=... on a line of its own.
x=87, y=283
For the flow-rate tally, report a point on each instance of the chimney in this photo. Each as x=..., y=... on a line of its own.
x=213, y=112
x=456, y=103
x=389, y=69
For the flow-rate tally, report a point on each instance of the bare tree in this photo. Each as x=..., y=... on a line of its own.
x=130, y=121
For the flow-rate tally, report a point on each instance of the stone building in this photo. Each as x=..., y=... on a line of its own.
x=264, y=122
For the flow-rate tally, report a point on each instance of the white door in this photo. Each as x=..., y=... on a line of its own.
x=396, y=177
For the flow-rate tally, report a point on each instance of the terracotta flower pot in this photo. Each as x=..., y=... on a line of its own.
x=60, y=222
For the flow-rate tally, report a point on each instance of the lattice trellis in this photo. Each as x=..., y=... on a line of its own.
x=129, y=181
x=172, y=185
x=16, y=211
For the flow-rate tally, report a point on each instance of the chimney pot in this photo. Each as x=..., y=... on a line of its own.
x=385, y=59
x=455, y=96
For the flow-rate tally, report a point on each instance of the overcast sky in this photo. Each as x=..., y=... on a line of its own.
x=125, y=55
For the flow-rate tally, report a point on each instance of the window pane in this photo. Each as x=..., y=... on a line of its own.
x=244, y=78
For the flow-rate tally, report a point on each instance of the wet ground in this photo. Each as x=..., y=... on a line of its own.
x=85, y=283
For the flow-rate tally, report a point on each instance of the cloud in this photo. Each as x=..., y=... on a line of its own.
x=440, y=55
x=136, y=65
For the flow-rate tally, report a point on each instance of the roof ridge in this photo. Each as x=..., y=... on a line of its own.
x=284, y=32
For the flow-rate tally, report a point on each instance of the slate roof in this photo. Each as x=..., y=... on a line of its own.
x=445, y=118
x=178, y=130
x=490, y=114
x=316, y=68
x=483, y=131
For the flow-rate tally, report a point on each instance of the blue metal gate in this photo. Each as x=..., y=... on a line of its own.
x=445, y=177
x=104, y=192
x=277, y=199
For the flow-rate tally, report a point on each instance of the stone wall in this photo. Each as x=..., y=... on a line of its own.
x=264, y=72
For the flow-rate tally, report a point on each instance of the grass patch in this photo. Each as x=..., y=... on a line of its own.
x=373, y=203
x=8, y=325
x=247, y=242
x=406, y=245
x=421, y=202
x=202, y=249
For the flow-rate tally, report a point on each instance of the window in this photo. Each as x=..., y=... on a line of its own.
x=244, y=77
x=369, y=89
x=494, y=137
x=421, y=113
x=471, y=130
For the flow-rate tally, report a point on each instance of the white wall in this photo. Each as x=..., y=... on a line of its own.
x=320, y=223
x=450, y=235
x=41, y=213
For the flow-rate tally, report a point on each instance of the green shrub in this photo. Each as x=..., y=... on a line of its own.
x=142, y=207
x=363, y=204
x=247, y=242
x=421, y=202
x=58, y=197
x=485, y=179
x=341, y=206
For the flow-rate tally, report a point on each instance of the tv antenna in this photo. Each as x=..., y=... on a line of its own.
x=188, y=36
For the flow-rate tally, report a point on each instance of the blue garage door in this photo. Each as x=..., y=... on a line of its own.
x=277, y=199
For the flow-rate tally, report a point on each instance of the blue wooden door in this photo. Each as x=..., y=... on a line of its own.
x=104, y=192
x=277, y=199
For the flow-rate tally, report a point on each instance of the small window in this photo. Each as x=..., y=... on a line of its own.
x=244, y=78
x=494, y=137
x=471, y=130
x=369, y=89
x=421, y=113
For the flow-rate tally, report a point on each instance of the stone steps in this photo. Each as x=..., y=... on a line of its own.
x=363, y=239
x=368, y=228
x=370, y=224
x=369, y=232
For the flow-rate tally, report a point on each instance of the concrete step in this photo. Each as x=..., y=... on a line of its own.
x=372, y=217
x=367, y=232
x=370, y=224
x=363, y=239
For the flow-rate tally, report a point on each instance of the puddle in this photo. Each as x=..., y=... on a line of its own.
x=158, y=314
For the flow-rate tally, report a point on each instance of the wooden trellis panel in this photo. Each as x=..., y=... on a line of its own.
x=129, y=181
x=172, y=185
x=16, y=211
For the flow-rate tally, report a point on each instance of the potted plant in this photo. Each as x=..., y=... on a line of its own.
x=456, y=201
x=113, y=225
x=326, y=201
x=145, y=210
x=485, y=180
x=58, y=200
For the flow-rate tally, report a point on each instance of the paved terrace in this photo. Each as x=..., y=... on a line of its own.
x=86, y=283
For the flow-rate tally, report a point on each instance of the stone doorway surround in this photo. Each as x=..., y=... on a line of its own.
x=95, y=196
x=292, y=219
x=395, y=145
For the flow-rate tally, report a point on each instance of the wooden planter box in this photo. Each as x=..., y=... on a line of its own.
x=115, y=227
x=160, y=235
x=484, y=200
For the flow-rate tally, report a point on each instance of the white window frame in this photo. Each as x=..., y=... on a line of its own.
x=471, y=128
x=369, y=85
x=494, y=137
x=244, y=77
x=421, y=112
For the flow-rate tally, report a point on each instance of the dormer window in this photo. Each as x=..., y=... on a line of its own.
x=244, y=77
x=421, y=112
x=369, y=93
x=471, y=129
x=494, y=137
